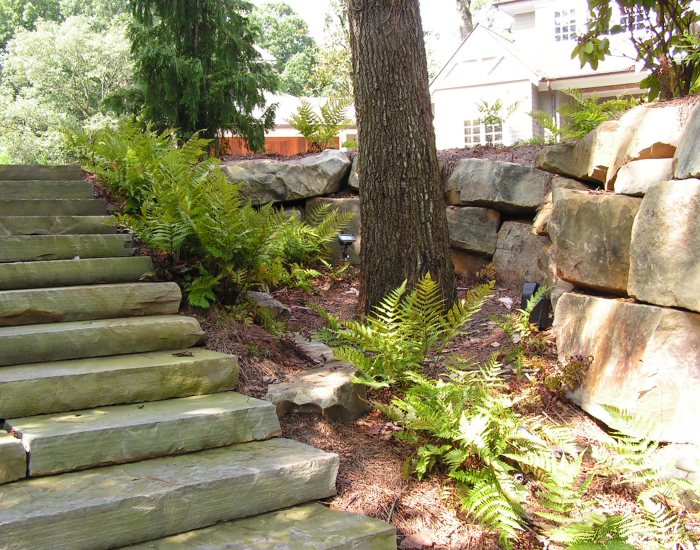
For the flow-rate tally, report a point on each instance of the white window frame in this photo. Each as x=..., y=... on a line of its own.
x=472, y=132
x=637, y=21
x=477, y=133
x=493, y=134
x=565, y=25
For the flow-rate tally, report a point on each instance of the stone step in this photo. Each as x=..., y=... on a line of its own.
x=52, y=189
x=13, y=459
x=309, y=526
x=126, y=504
x=57, y=207
x=40, y=172
x=61, y=386
x=126, y=433
x=80, y=339
x=19, y=275
x=55, y=225
x=85, y=303
x=30, y=248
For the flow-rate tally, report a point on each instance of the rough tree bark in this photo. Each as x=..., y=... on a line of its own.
x=404, y=225
x=465, y=10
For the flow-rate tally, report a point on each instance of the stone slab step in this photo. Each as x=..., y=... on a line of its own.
x=309, y=526
x=79, y=339
x=41, y=172
x=13, y=459
x=30, y=248
x=61, y=386
x=84, y=303
x=126, y=433
x=52, y=189
x=62, y=207
x=55, y=225
x=116, y=506
x=19, y=275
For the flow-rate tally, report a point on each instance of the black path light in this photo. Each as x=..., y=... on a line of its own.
x=346, y=239
x=540, y=313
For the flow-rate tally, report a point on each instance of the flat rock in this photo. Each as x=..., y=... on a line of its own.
x=41, y=172
x=79, y=339
x=473, y=229
x=665, y=251
x=587, y=160
x=267, y=181
x=591, y=236
x=517, y=255
x=645, y=132
x=126, y=433
x=60, y=386
x=350, y=206
x=277, y=309
x=13, y=459
x=30, y=248
x=687, y=156
x=354, y=179
x=82, y=303
x=120, y=505
x=37, y=189
x=300, y=528
x=644, y=358
x=62, y=207
x=43, y=274
x=503, y=186
x=635, y=177
x=544, y=212
x=55, y=225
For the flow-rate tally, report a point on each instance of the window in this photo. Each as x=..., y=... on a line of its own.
x=564, y=25
x=633, y=21
x=472, y=132
x=494, y=134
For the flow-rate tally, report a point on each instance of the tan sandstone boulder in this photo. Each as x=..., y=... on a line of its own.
x=518, y=253
x=644, y=358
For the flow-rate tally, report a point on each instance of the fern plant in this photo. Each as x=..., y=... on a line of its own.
x=403, y=331
x=320, y=129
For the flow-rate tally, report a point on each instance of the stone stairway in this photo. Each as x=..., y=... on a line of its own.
x=117, y=429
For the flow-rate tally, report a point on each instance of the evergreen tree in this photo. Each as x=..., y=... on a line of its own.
x=199, y=69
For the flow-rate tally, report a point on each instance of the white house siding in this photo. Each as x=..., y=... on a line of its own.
x=524, y=27
x=456, y=105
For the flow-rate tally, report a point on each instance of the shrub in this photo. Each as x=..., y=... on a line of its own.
x=319, y=130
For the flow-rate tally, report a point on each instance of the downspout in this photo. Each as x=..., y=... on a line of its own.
x=554, y=102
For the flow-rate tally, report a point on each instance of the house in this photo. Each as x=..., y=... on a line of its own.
x=530, y=69
x=284, y=139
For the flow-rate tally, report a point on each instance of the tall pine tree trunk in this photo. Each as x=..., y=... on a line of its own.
x=404, y=224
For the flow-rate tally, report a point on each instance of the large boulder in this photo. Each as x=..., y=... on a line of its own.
x=687, y=157
x=591, y=235
x=635, y=177
x=587, y=160
x=665, y=252
x=503, y=186
x=518, y=253
x=473, y=229
x=544, y=212
x=644, y=358
x=466, y=263
x=274, y=181
x=646, y=132
x=354, y=179
x=351, y=206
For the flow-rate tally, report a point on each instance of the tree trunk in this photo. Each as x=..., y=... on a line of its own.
x=404, y=224
x=465, y=10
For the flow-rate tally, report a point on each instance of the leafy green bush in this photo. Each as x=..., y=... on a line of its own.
x=182, y=205
x=319, y=130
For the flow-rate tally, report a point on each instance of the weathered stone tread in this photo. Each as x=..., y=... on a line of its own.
x=13, y=459
x=30, y=248
x=78, y=339
x=40, y=172
x=60, y=386
x=84, y=271
x=82, y=303
x=116, y=506
x=309, y=526
x=126, y=433
x=46, y=189
x=62, y=207
x=55, y=225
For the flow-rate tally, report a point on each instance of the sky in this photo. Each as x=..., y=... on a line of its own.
x=440, y=17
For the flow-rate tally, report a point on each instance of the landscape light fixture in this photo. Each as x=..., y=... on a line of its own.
x=540, y=313
x=346, y=239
